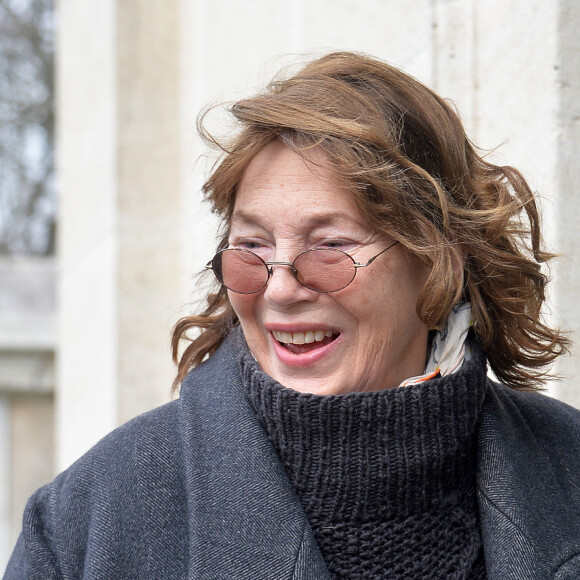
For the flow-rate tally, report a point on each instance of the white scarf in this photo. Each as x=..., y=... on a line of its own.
x=448, y=348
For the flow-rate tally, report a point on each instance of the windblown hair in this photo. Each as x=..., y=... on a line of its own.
x=402, y=152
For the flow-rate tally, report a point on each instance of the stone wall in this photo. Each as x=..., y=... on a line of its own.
x=133, y=76
x=27, y=354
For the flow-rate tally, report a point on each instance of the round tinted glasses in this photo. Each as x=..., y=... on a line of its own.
x=322, y=270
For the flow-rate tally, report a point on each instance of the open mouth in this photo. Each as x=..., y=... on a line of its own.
x=303, y=342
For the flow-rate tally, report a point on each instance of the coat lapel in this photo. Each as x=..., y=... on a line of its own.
x=528, y=487
x=245, y=521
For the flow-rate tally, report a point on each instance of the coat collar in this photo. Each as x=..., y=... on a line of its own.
x=244, y=517
x=529, y=486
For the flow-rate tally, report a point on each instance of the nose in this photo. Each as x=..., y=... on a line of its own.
x=283, y=289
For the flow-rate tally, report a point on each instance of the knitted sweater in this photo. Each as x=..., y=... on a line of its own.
x=387, y=478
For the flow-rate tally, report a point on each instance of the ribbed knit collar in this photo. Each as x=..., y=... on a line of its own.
x=385, y=454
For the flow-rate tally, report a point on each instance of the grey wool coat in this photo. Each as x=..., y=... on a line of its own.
x=195, y=490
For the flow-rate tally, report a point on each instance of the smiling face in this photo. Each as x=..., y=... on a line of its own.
x=365, y=337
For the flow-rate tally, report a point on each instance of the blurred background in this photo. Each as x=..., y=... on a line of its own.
x=99, y=250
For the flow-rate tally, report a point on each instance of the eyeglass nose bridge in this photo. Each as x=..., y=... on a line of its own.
x=270, y=267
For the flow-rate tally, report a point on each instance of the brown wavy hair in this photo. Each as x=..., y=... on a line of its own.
x=402, y=152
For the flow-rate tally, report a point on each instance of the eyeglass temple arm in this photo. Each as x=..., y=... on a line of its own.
x=371, y=260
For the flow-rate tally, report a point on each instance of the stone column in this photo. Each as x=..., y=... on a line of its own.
x=568, y=185
x=120, y=198
x=6, y=542
x=516, y=83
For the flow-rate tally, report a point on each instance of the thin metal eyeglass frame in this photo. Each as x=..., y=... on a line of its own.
x=295, y=272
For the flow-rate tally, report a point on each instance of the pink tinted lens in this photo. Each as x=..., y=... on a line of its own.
x=325, y=270
x=240, y=271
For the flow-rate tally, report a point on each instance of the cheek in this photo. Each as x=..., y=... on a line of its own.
x=241, y=302
x=386, y=303
x=246, y=307
x=243, y=305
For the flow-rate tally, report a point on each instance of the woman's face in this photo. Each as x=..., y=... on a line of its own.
x=284, y=207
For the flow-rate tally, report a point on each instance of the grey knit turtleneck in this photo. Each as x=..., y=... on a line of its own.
x=387, y=479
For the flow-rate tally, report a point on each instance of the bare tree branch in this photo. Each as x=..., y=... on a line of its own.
x=27, y=197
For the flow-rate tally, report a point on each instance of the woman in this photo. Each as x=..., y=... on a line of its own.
x=335, y=419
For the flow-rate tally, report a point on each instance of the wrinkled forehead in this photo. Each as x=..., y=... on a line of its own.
x=282, y=198
x=329, y=165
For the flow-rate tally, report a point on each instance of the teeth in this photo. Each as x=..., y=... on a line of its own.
x=302, y=337
x=298, y=338
x=283, y=336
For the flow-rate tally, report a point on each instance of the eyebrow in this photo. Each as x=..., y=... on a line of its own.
x=314, y=220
